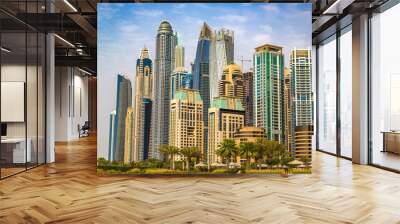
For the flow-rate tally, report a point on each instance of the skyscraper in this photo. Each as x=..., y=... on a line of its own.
x=288, y=109
x=302, y=102
x=300, y=65
x=201, y=73
x=147, y=109
x=226, y=117
x=179, y=54
x=164, y=66
x=186, y=121
x=222, y=54
x=144, y=83
x=111, y=136
x=128, y=136
x=231, y=83
x=248, y=98
x=268, y=90
x=124, y=101
x=180, y=79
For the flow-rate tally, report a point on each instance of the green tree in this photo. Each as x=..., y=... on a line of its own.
x=227, y=149
x=261, y=151
x=188, y=153
x=306, y=160
x=280, y=154
x=246, y=150
x=170, y=151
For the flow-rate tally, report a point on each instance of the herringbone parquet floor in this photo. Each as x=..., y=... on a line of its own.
x=69, y=191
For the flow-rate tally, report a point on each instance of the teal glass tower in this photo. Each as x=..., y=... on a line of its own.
x=269, y=91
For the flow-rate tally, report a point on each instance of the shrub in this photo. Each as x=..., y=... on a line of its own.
x=265, y=171
x=218, y=171
x=224, y=170
x=159, y=171
x=134, y=171
x=150, y=163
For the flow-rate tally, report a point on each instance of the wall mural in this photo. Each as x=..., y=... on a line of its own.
x=204, y=88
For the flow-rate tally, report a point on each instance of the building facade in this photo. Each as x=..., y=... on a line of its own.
x=201, y=72
x=222, y=54
x=179, y=56
x=164, y=66
x=143, y=93
x=186, y=120
x=249, y=134
x=302, y=95
x=248, y=98
x=288, y=109
x=180, y=79
x=302, y=98
x=124, y=101
x=303, y=142
x=128, y=152
x=231, y=83
x=268, y=91
x=111, y=136
x=225, y=117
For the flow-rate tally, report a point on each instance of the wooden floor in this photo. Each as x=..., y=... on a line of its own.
x=69, y=191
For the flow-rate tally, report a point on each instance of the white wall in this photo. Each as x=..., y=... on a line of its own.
x=71, y=102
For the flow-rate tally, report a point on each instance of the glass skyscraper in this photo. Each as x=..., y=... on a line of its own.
x=248, y=100
x=222, y=54
x=201, y=73
x=180, y=79
x=164, y=66
x=268, y=91
x=124, y=100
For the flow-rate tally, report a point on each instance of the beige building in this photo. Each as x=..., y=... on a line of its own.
x=225, y=118
x=186, y=120
x=303, y=141
x=249, y=134
x=128, y=135
x=231, y=83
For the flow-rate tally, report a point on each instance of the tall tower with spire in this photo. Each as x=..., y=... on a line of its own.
x=164, y=66
x=143, y=99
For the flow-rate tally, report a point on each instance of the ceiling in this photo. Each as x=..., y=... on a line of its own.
x=75, y=23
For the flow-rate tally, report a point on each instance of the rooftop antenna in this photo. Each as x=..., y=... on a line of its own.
x=243, y=60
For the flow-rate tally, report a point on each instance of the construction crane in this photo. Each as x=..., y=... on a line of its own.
x=244, y=60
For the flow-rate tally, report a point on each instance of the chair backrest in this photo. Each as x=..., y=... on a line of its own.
x=86, y=124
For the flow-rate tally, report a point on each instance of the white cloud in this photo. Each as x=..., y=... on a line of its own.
x=270, y=8
x=128, y=28
x=232, y=18
x=148, y=12
x=260, y=39
x=266, y=28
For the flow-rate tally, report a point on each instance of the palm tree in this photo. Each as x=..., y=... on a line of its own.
x=170, y=151
x=261, y=151
x=227, y=149
x=188, y=153
x=246, y=150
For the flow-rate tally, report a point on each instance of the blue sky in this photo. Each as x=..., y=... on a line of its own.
x=124, y=28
